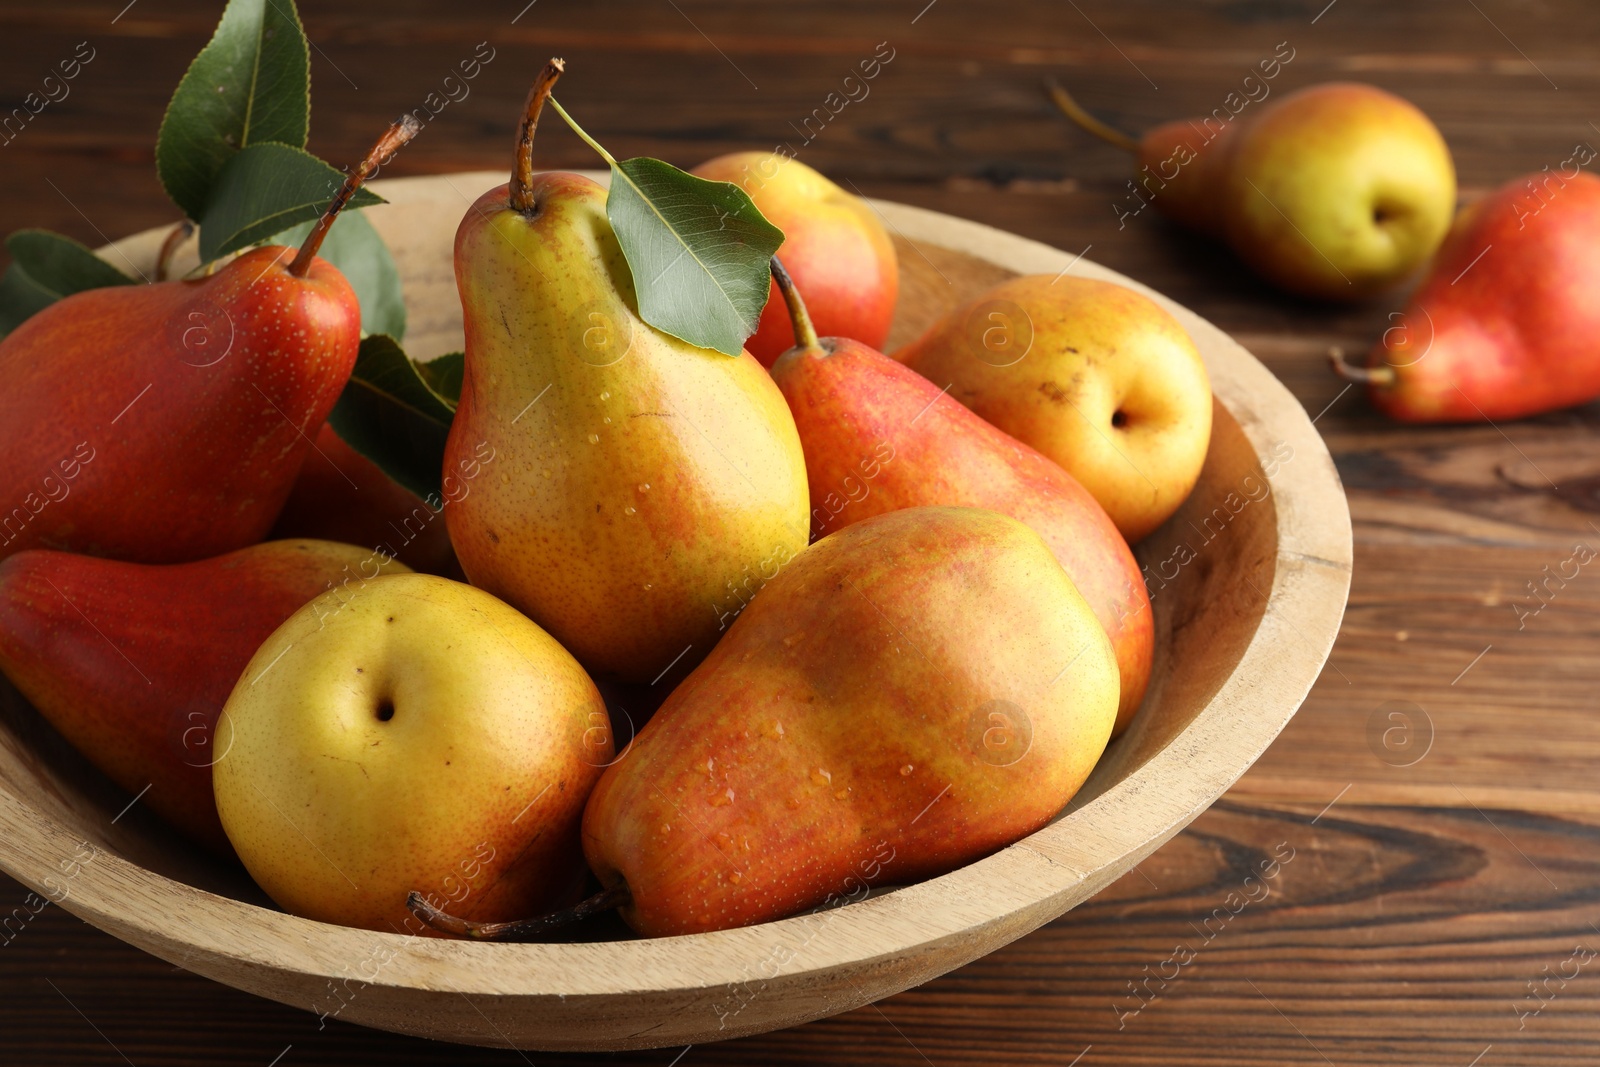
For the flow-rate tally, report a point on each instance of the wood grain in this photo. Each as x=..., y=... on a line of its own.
x=1450, y=523
x=1363, y=944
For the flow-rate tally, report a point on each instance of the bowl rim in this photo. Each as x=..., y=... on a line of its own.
x=1005, y=895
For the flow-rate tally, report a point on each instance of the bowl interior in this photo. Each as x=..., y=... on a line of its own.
x=1249, y=545
x=1206, y=564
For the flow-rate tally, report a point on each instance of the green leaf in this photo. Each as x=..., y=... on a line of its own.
x=61, y=264
x=388, y=413
x=698, y=250
x=355, y=248
x=44, y=268
x=251, y=83
x=264, y=189
x=443, y=375
x=21, y=298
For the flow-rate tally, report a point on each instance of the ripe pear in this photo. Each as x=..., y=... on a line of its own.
x=1101, y=379
x=879, y=437
x=132, y=662
x=636, y=477
x=834, y=246
x=1506, y=324
x=907, y=696
x=166, y=422
x=1336, y=191
x=411, y=733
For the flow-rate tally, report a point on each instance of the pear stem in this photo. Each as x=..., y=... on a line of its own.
x=397, y=136
x=175, y=237
x=522, y=169
x=1379, y=376
x=579, y=130
x=1074, y=111
x=519, y=929
x=805, y=334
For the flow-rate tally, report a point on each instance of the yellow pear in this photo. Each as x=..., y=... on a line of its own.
x=1101, y=379
x=410, y=733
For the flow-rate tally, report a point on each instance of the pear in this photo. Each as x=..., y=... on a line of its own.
x=1098, y=377
x=415, y=733
x=636, y=478
x=1336, y=191
x=1506, y=323
x=909, y=695
x=167, y=422
x=132, y=662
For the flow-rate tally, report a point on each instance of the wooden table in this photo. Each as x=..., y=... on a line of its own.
x=1445, y=883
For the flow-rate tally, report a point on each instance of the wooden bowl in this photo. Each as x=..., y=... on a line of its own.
x=1249, y=590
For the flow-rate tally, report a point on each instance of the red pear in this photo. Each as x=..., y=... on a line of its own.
x=342, y=495
x=132, y=662
x=879, y=437
x=167, y=422
x=1507, y=323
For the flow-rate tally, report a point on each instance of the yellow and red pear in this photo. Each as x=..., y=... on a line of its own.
x=426, y=736
x=1095, y=375
x=1335, y=191
x=907, y=696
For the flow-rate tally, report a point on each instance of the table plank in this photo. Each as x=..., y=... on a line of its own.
x=1422, y=903
x=1384, y=934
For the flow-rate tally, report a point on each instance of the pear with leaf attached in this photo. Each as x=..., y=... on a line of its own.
x=167, y=422
x=635, y=478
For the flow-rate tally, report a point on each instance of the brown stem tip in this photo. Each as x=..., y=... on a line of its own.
x=1379, y=376
x=1074, y=111
x=522, y=169
x=393, y=139
x=518, y=929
